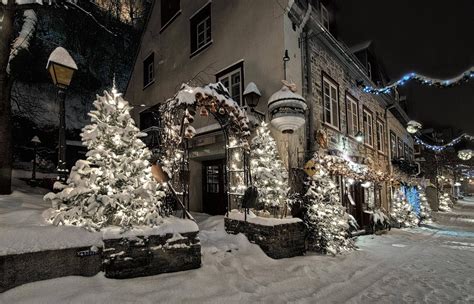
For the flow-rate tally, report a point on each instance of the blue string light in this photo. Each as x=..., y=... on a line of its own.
x=441, y=83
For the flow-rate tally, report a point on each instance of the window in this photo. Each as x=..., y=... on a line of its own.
x=212, y=182
x=324, y=17
x=170, y=9
x=149, y=70
x=380, y=136
x=352, y=116
x=201, y=29
x=393, y=144
x=368, y=128
x=231, y=78
x=407, y=152
x=330, y=100
x=400, y=148
x=410, y=152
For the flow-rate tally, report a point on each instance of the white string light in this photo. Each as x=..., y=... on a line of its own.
x=439, y=148
x=441, y=83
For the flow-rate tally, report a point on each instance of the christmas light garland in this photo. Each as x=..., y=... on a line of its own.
x=440, y=83
x=439, y=148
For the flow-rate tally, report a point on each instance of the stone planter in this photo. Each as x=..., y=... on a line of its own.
x=18, y=269
x=278, y=241
x=150, y=255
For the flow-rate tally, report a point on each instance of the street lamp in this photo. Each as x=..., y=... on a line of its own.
x=252, y=97
x=413, y=126
x=359, y=136
x=36, y=141
x=61, y=67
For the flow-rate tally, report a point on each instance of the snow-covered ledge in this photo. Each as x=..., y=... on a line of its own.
x=278, y=238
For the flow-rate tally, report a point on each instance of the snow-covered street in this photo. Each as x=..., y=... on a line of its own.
x=404, y=266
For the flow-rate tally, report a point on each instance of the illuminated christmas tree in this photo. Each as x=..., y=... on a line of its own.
x=325, y=217
x=269, y=174
x=425, y=209
x=402, y=213
x=114, y=185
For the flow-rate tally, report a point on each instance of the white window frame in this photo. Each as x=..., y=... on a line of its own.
x=352, y=119
x=228, y=76
x=324, y=17
x=150, y=70
x=393, y=148
x=333, y=101
x=206, y=25
x=380, y=131
x=368, y=136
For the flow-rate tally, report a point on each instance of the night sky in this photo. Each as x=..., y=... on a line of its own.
x=434, y=38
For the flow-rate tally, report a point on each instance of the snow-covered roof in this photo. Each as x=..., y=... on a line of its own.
x=22, y=2
x=285, y=94
x=360, y=46
x=61, y=56
x=252, y=88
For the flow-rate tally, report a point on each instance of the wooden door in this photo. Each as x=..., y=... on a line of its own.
x=214, y=198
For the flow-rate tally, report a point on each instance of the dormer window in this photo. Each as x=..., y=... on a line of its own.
x=325, y=17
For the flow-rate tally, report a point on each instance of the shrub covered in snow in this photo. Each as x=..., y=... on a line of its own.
x=114, y=185
x=444, y=202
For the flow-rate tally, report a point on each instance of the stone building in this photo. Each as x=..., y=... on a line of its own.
x=243, y=41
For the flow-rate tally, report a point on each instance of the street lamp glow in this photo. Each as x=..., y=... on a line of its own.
x=359, y=136
x=465, y=154
x=61, y=67
x=413, y=126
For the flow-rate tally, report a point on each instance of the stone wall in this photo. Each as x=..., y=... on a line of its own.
x=278, y=241
x=18, y=269
x=151, y=255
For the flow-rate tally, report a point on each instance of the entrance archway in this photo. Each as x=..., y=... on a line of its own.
x=177, y=115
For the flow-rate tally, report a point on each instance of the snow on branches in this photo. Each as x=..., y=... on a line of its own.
x=444, y=202
x=325, y=217
x=114, y=185
x=22, y=42
x=425, y=209
x=269, y=174
x=402, y=213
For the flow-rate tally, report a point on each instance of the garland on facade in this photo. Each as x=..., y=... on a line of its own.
x=425, y=80
x=337, y=165
x=439, y=148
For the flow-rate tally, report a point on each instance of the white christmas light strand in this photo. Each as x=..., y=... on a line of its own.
x=439, y=148
x=441, y=83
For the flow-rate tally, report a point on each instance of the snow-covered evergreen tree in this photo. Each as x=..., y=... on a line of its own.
x=402, y=213
x=114, y=185
x=425, y=209
x=444, y=202
x=325, y=217
x=269, y=174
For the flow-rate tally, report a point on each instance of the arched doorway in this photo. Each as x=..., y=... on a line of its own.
x=221, y=178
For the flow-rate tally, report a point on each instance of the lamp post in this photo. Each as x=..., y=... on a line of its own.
x=252, y=97
x=36, y=141
x=61, y=67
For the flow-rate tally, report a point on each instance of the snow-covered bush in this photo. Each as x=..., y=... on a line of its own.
x=402, y=213
x=114, y=185
x=269, y=174
x=379, y=220
x=444, y=202
x=325, y=217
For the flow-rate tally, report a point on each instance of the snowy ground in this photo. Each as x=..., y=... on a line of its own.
x=405, y=266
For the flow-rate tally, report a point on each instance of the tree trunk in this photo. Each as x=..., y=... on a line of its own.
x=5, y=105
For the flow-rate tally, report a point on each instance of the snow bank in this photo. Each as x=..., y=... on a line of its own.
x=23, y=228
x=171, y=225
x=252, y=218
